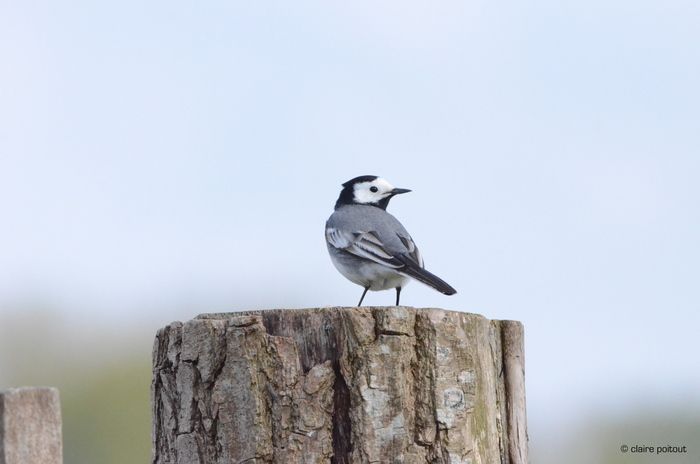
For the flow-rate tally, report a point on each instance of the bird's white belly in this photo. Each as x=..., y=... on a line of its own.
x=372, y=275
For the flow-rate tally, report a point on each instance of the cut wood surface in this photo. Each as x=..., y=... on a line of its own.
x=341, y=385
x=30, y=426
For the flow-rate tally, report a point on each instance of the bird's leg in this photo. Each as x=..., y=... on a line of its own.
x=362, y=297
x=398, y=293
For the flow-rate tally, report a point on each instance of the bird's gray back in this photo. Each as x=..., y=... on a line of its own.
x=363, y=218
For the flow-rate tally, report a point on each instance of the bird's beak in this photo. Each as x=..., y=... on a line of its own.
x=398, y=191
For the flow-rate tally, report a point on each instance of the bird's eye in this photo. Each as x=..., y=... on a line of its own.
x=373, y=189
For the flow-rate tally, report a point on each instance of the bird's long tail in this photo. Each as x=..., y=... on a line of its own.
x=428, y=278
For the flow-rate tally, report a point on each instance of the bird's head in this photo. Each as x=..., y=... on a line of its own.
x=368, y=190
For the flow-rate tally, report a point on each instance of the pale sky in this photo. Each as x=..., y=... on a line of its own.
x=162, y=159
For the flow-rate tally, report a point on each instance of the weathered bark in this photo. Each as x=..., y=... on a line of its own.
x=30, y=426
x=340, y=385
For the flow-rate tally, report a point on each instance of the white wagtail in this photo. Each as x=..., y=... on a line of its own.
x=369, y=246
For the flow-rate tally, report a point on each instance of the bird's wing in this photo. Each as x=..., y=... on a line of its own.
x=411, y=248
x=363, y=244
x=368, y=245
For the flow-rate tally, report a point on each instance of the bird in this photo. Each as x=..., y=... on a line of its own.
x=369, y=246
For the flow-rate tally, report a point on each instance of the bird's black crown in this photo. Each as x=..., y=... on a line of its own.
x=359, y=179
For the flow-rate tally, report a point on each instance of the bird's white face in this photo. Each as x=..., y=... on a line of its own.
x=372, y=192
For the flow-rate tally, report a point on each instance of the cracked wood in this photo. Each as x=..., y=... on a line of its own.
x=339, y=385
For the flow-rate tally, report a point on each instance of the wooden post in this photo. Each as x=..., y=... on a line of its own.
x=30, y=426
x=339, y=385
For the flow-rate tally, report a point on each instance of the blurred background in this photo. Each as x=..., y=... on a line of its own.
x=164, y=159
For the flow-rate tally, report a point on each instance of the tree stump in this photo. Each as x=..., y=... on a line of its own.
x=339, y=385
